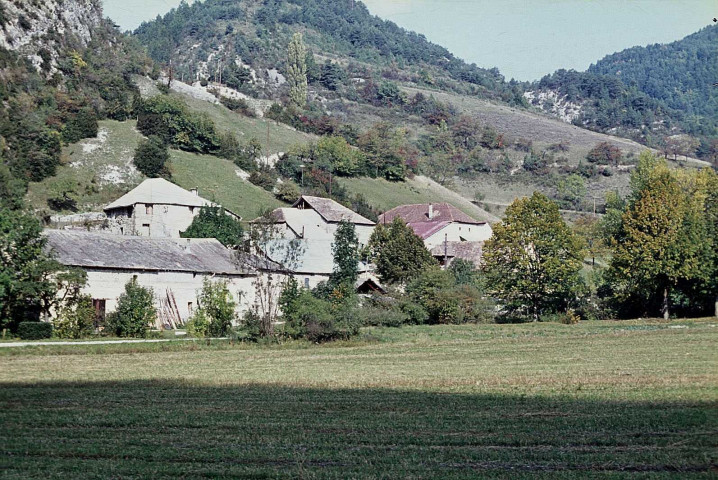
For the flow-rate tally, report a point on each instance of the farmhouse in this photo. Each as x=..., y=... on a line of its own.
x=447, y=232
x=309, y=227
x=155, y=208
x=174, y=268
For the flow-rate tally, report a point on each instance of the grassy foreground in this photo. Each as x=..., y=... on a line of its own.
x=598, y=399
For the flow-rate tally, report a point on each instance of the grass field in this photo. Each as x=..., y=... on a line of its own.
x=610, y=400
x=385, y=195
x=99, y=170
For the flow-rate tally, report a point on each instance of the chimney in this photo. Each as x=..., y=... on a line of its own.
x=195, y=191
x=187, y=245
x=431, y=211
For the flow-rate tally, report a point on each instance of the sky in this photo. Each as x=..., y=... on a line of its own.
x=525, y=39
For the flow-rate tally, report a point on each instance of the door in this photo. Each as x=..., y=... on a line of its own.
x=99, y=304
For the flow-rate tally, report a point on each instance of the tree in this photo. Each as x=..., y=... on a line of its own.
x=532, y=262
x=297, y=71
x=265, y=240
x=398, y=252
x=151, y=157
x=214, y=222
x=215, y=312
x=76, y=319
x=663, y=246
x=135, y=311
x=25, y=268
x=605, y=153
x=345, y=250
x=572, y=189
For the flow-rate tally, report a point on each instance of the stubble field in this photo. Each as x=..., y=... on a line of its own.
x=599, y=399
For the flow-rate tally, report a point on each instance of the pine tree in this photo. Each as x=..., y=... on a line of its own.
x=297, y=73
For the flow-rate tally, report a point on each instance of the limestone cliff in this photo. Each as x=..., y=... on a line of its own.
x=39, y=29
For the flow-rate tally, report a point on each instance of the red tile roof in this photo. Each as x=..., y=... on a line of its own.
x=426, y=229
x=442, y=212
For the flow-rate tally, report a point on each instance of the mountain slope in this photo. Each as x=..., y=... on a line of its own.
x=647, y=93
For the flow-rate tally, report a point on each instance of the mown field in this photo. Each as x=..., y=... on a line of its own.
x=610, y=400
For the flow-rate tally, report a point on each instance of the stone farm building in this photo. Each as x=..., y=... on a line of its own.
x=447, y=232
x=174, y=268
x=311, y=224
x=155, y=208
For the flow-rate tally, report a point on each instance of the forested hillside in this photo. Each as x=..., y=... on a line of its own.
x=648, y=93
x=257, y=32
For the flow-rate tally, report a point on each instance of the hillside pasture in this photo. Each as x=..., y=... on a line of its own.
x=597, y=399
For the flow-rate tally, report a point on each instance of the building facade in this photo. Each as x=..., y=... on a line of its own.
x=156, y=208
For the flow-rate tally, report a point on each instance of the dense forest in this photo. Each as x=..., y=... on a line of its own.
x=257, y=32
x=649, y=93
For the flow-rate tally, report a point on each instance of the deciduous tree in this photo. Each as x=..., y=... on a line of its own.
x=297, y=73
x=533, y=260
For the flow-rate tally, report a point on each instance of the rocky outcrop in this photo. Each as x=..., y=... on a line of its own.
x=39, y=29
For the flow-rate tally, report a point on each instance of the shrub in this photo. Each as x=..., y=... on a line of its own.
x=198, y=325
x=151, y=157
x=135, y=312
x=238, y=105
x=288, y=191
x=370, y=316
x=318, y=320
x=34, y=330
x=82, y=124
x=216, y=311
x=567, y=318
x=76, y=320
x=265, y=178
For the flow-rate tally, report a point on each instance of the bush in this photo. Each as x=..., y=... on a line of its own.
x=288, y=191
x=34, y=330
x=151, y=157
x=319, y=320
x=77, y=319
x=135, y=312
x=567, y=318
x=216, y=311
x=370, y=316
x=265, y=178
x=81, y=125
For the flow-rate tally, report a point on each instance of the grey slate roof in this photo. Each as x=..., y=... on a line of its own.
x=331, y=211
x=79, y=248
x=471, y=251
x=158, y=191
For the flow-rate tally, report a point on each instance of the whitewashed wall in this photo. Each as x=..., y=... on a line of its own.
x=110, y=284
x=455, y=232
x=163, y=221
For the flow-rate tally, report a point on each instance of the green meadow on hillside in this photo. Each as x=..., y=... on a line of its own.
x=596, y=399
x=99, y=170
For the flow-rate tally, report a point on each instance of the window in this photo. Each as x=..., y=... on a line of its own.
x=189, y=307
x=148, y=209
x=191, y=210
x=306, y=282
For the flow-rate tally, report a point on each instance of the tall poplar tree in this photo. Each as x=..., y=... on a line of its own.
x=297, y=72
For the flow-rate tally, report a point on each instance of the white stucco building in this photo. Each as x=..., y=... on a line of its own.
x=311, y=223
x=174, y=268
x=443, y=228
x=155, y=208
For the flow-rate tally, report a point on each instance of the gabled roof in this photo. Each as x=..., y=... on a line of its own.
x=442, y=212
x=79, y=248
x=331, y=211
x=471, y=251
x=426, y=229
x=158, y=191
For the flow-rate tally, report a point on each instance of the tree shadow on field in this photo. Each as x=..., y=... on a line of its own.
x=174, y=429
